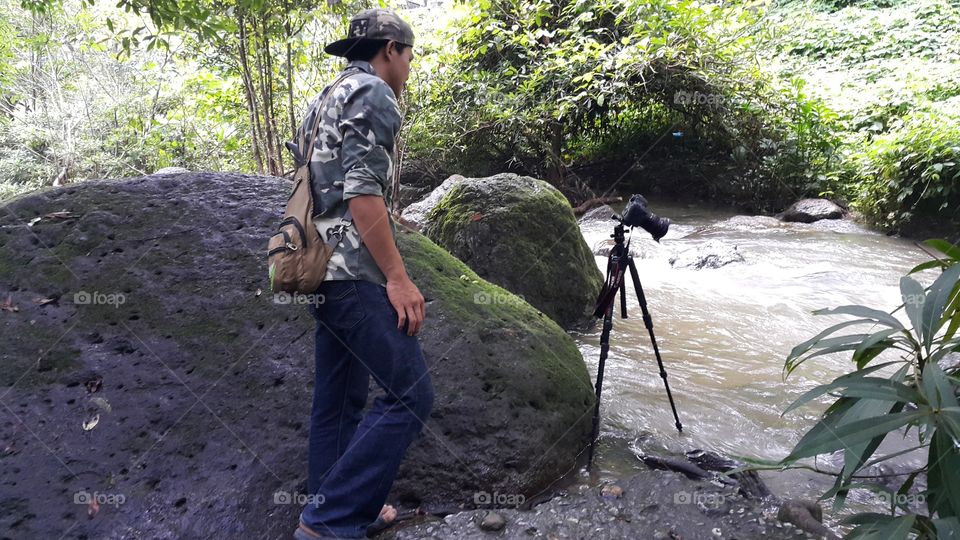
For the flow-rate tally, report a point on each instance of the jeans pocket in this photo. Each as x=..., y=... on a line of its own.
x=341, y=306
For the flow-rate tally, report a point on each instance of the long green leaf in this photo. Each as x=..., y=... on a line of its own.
x=869, y=348
x=945, y=247
x=949, y=419
x=937, y=388
x=827, y=346
x=941, y=292
x=881, y=389
x=881, y=317
x=926, y=266
x=880, y=527
x=848, y=435
x=808, y=344
x=914, y=299
x=947, y=528
x=837, y=383
x=855, y=456
x=943, y=476
x=952, y=314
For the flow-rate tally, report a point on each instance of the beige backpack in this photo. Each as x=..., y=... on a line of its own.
x=297, y=255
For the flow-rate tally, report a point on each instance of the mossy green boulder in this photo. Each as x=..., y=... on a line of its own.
x=142, y=303
x=520, y=233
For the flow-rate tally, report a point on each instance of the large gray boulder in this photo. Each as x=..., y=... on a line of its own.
x=520, y=233
x=144, y=368
x=810, y=210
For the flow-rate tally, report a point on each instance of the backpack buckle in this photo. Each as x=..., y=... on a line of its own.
x=338, y=230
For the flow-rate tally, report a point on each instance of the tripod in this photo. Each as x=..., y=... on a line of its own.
x=617, y=263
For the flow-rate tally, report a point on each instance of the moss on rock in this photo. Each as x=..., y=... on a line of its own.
x=520, y=233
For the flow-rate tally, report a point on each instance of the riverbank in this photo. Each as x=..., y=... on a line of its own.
x=652, y=504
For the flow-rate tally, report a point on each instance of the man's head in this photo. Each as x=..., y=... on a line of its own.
x=382, y=38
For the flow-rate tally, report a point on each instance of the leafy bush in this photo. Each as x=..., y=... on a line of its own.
x=913, y=169
x=542, y=87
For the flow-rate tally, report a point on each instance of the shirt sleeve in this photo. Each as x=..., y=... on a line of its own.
x=369, y=123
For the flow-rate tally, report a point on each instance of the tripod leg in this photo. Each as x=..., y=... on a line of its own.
x=648, y=322
x=623, y=299
x=604, y=348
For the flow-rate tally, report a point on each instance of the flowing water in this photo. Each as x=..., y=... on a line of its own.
x=724, y=333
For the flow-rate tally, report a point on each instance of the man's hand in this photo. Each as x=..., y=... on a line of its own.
x=370, y=217
x=407, y=300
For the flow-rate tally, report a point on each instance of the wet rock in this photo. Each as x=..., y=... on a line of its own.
x=493, y=522
x=600, y=214
x=749, y=483
x=805, y=514
x=712, y=254
x=164, y=314
x=171, y=170
x=520, y=233
x=810, y=210
x=612, y=491
x=686, y=468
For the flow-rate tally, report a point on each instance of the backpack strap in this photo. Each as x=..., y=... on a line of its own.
x=347, y=218
x=316, y=120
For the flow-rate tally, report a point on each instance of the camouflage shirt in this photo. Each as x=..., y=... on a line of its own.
x=353, y=155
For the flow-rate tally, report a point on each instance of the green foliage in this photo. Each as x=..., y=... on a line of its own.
x=919, y=390
x=541, y=87
x=892, y=76
x=914, y=168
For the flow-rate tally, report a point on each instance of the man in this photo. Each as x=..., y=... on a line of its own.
x=370, y=312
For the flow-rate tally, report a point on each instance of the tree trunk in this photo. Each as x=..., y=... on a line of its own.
x=249, y=93
x=555, y=166
x=289, y=66
x=264, y=98
x=271, y=104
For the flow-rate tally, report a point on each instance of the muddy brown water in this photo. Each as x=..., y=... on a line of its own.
x=724, y=335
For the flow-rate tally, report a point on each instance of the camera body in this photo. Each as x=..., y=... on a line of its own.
x=637, y=215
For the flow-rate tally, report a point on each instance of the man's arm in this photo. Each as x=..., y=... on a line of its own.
x=369, y=123
x=370, y=218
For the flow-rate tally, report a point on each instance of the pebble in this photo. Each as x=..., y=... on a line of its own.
x=493, y=522
x=611, y=491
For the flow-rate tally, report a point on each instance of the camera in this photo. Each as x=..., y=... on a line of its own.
x=637, y=215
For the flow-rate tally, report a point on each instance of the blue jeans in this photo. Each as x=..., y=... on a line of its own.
x=354, y=458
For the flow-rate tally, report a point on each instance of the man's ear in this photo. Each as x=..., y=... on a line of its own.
x=391, y=48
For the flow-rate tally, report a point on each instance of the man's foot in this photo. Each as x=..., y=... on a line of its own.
x=306, y=533
x=386, y=518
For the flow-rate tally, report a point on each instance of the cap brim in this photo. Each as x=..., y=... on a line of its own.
x=341, y=47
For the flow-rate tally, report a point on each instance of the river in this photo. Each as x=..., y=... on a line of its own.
x=724, y=334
